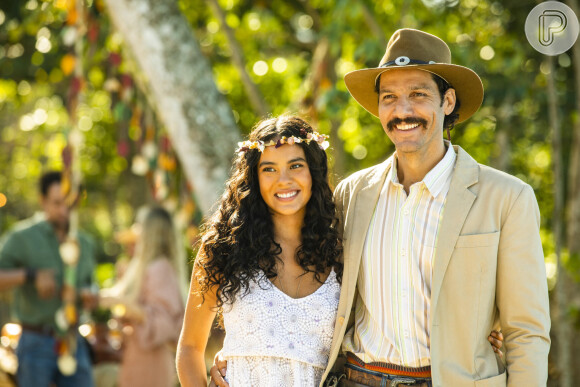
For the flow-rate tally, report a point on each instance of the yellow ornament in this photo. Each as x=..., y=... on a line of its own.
x=70, y=313
x=69, y=252
x=67, y=364
x=119, y=310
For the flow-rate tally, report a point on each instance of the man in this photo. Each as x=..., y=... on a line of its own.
x=438, y=249
x=30, y=263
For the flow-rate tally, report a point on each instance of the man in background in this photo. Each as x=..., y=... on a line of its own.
x=30, y=263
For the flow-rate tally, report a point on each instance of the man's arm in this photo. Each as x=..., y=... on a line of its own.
x=43, y=280
x=10, y=278
x=522, y=294
x=13, y=273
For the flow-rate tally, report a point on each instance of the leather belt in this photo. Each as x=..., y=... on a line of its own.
x=381, y=374
x=373, y=380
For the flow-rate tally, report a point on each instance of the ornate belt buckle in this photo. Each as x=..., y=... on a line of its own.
x=333, y=380
x=402, y=382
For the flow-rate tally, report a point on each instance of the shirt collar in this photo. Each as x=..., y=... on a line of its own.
x=436, y=179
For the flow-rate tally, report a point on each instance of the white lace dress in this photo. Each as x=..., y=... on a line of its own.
x=275, y=340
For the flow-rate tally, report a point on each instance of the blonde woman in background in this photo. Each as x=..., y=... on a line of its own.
x=150, y=297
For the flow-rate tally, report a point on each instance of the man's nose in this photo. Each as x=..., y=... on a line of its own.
x=403, y=107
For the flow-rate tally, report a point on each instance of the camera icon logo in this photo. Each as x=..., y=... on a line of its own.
x=552, y=28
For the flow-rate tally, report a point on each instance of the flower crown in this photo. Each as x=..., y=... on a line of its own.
x=306, y=137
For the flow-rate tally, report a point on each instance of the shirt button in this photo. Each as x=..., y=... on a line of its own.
x=404, y=294
x=406, y=334
x=403, y=252
x=406, y=211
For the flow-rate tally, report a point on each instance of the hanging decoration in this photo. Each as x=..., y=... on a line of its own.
x=67, y=316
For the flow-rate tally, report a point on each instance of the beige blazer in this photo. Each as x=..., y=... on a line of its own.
x=488, y=271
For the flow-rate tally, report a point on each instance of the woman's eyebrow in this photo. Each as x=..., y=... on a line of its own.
x=296, y=159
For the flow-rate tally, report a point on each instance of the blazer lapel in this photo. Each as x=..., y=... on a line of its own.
x=359, y=214
x=362, y=213
x=458, y=203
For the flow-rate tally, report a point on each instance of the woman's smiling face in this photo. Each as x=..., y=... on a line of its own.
x=285, y=180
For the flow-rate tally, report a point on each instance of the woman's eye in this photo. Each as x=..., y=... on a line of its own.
x=268, y=169
x=294, y=166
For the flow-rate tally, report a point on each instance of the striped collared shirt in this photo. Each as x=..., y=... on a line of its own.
x=394, y=283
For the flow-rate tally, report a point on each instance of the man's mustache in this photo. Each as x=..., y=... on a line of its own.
x=409, y=121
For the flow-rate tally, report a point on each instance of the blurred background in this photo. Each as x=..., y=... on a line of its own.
x=154, y=94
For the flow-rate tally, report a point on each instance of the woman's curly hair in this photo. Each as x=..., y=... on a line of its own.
x=238, y=240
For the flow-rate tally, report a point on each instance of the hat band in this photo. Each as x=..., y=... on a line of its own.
x=405, y=60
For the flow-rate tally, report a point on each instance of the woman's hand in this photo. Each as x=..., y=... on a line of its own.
x=218, y=371
x=496, y=340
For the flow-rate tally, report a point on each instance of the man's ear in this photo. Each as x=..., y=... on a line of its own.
x=449, y=100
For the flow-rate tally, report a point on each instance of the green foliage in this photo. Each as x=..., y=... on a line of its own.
x=37, y=47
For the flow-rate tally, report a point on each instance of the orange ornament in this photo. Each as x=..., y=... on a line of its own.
x=67, y=64
x=70, y=313
x=167, y=162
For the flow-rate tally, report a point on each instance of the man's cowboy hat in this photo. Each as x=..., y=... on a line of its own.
x=414, y=49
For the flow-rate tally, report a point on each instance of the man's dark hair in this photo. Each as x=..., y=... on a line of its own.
x=442, y=86
x=48, y=179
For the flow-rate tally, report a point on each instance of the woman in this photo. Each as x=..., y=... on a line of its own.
x=150, y=299
x=269, y=261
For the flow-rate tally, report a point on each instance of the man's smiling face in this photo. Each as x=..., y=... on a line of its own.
x=411, y=110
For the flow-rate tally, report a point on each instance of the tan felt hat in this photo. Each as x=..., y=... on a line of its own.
x=414, y=49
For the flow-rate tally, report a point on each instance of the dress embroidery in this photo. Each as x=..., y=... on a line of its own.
x=275, y=340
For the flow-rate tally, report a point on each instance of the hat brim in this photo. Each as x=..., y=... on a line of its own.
x=467, y=85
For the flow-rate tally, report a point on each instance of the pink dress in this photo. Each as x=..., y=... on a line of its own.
x=149, y=352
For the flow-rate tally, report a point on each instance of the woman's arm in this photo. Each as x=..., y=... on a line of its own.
x=199, y=316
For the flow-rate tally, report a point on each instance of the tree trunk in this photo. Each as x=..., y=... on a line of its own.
x=197, y=116
x=573, y=218
x=563, y=331
x=502, y=157
x=373, y=24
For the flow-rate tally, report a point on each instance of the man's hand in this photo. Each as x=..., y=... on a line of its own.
x=45, y=283
x=218, y=371
x=496, y=340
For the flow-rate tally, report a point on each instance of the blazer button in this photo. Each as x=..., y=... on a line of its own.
x=340, y=320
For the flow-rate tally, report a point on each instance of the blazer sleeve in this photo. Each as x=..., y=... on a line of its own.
x=163, y=306
x=522, y=293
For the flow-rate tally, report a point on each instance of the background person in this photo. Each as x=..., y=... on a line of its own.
x=31, y=264
x=151, y=297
